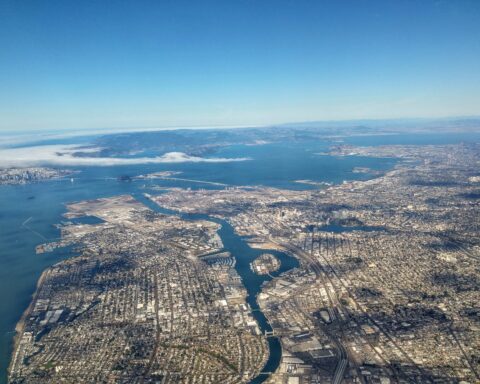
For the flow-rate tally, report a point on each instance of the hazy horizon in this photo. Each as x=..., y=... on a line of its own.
x=84, y=131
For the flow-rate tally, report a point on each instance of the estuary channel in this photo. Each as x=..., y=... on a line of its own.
x=244, y=255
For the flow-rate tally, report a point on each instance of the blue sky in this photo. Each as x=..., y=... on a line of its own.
x=104, y=64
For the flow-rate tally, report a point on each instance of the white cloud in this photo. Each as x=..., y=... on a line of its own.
x=62, y=155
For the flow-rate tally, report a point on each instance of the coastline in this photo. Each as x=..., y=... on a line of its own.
x=20, y=326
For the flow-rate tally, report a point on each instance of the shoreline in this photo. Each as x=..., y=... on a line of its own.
x=20, y=326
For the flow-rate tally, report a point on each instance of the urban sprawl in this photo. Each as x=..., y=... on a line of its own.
x=387, y=290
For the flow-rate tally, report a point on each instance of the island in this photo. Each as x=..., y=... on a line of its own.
x=265, y=264
x=138, y=303
x=154, y=297
x=393, y=300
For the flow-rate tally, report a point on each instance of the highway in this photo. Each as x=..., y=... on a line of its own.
x=342, y=363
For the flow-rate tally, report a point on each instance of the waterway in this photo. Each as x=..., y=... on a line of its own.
x=28, y=213
x=244, y=255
